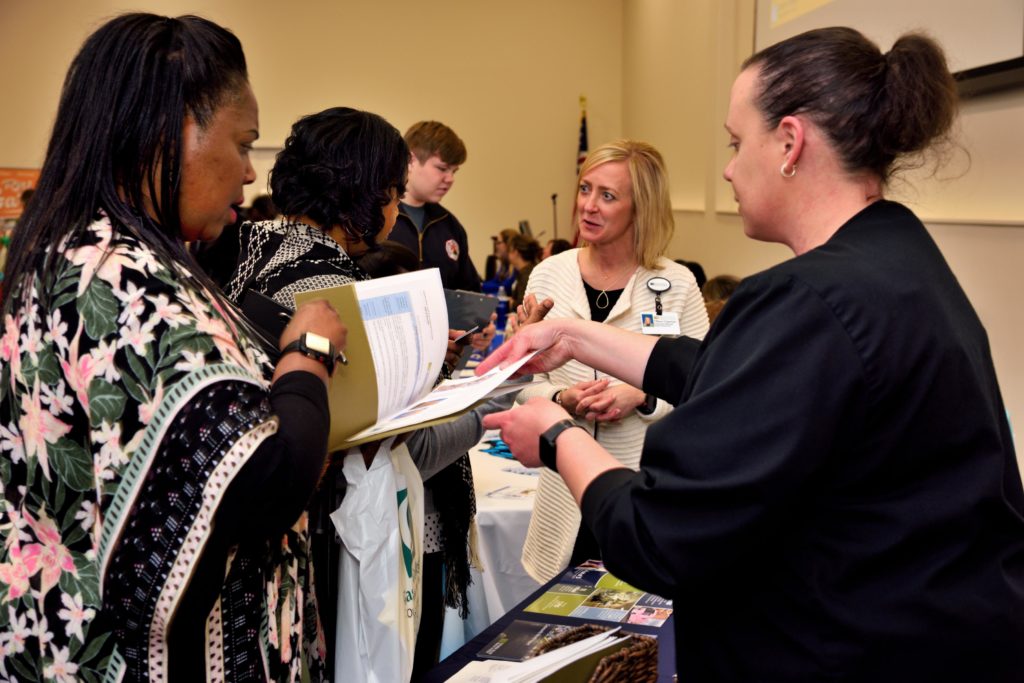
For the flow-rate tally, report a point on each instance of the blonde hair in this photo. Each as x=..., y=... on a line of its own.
x=507, y=234
x=652, y=209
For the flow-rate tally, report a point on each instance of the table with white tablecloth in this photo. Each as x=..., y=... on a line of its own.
x=505, y=492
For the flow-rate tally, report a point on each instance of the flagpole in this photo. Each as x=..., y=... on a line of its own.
x=581, y=153
x=554, y=215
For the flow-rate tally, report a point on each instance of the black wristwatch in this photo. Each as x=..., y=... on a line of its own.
x=547, y=442
x=649, y=404
x=315, y=346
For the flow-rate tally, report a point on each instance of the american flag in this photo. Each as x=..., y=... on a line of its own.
x=581, y=156
x=581, y=153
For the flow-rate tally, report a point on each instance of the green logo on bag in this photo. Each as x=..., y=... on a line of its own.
x=405, y=530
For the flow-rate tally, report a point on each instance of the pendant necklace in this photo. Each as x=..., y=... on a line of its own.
x=602, y=301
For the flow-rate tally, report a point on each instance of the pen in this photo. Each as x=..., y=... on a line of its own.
x=341, y=358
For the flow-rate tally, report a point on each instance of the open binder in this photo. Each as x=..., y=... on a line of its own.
x=397, y=337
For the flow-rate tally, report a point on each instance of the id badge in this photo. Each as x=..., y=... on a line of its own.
x=666, y=323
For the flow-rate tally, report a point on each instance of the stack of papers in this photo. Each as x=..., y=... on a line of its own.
x=540, y=667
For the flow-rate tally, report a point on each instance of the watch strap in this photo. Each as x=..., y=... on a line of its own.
x=299, y=346
x=547, y=450
x=649, y=404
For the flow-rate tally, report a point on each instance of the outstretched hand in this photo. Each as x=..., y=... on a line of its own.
x=550, y=338
x=521, y=427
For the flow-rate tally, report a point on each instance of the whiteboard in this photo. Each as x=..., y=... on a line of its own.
x=974, y=33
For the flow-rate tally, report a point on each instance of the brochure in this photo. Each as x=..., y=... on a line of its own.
x=518, y=639
x=590, y=592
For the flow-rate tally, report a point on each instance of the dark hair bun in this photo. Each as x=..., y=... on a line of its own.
x=874, y=108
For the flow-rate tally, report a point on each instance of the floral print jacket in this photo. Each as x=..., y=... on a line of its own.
x=128, y=403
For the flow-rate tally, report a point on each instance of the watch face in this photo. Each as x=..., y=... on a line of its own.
x=317, y=343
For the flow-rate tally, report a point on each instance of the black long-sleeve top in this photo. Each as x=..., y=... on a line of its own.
x=836, y=495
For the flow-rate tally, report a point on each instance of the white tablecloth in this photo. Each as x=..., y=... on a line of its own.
x=504, y=501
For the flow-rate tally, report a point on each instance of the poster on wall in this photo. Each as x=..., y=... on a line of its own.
x=14, y=181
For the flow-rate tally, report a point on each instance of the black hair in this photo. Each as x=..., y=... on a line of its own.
x=697, y=270
x=527, y=248
x=558, y=245
x=261, y=209
x=339, y=168
x=117, y=137
x=390, y=258
x=875, y=108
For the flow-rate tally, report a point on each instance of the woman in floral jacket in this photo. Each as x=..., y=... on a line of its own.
x=154, y=465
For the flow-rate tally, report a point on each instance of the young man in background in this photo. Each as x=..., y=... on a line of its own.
x=426, y=227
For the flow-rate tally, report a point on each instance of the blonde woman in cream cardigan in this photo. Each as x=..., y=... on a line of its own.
x=622, y=278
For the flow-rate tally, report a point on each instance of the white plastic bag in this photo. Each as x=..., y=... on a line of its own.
x=380, y=522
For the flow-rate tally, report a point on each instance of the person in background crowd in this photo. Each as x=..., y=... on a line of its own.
x=389, y=258
x=218, y=257
x=426, y=227
x=697, y=270
x=26, y=195
x=836, y=494
x=555, y=246
x=523, y=255
x=716, y=292
x=261, y=209
x=501, y=273
x=625, y=220
x=155, y=466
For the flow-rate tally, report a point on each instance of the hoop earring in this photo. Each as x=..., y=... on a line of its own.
x=782, y=170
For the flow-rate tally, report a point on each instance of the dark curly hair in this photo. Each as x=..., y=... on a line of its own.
x=339, y=167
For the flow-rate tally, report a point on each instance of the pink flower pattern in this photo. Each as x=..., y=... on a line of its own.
x=51, y=441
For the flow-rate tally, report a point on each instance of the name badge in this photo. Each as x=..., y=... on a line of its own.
x=664, y=323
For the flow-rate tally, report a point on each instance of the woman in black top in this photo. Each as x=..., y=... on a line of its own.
x=836, y=494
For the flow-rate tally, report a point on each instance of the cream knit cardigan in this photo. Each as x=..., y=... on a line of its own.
x=556, y=518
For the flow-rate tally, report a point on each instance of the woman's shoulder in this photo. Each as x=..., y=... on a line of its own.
x=680, y=276
x=556, y=271
x=567, y=261
x=670, y=268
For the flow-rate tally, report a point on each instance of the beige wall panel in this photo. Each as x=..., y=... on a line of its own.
x=506, y=76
